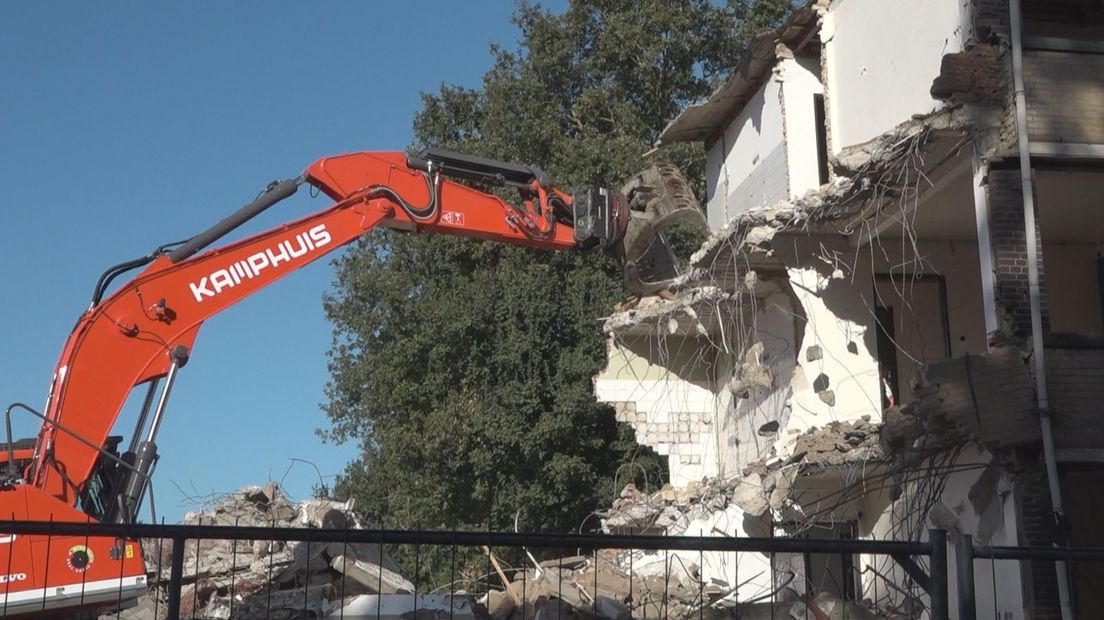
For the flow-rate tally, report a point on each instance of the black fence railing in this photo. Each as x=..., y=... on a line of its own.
x=228, y=571
x=967, y=554
x=257, y=571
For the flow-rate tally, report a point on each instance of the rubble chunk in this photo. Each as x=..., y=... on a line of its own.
x=254, y=578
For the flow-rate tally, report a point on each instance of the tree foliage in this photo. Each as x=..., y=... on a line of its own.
x=465, y=368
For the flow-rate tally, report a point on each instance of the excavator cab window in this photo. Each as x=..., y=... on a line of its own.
x=96, y=498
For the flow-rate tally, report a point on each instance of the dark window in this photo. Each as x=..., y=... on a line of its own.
x=821, y=137
x=1064, y=19
x=887, y=355
x=819, y=572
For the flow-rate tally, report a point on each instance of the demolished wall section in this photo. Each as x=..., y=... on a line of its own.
x=750, y=157
x=968, y=492
x=889, y=47
x=661, y=388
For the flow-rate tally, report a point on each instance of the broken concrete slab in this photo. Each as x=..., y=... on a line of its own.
x=369, y=576
x=253, y=578
x=407, y=607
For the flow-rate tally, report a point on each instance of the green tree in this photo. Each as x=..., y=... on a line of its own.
x=465, y=368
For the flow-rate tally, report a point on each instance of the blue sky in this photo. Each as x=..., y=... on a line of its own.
x=124, y=125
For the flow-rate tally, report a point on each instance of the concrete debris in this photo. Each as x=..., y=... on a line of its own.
x=753, y=373
x=600, y=586
x=765, y=485
x=408, y=607
x=760, y=235
x=272, y=579
x=856, y=168
x=839, y=443
x=748, y=495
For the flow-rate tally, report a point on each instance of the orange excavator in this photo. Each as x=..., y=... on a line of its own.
x=139, y=335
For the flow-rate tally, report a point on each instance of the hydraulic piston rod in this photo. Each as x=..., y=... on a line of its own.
x=146, y=455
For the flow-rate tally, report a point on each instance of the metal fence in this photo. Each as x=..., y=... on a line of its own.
x=967, y=555
x=500, y=569
x=511, y=575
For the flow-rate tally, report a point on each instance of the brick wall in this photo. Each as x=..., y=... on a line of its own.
x=1065, y=96
x=1037, y=528
x=990, y=395
x=1075, y=382
x=1010, y=250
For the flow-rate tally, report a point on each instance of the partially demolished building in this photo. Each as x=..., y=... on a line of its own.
x=890, y=328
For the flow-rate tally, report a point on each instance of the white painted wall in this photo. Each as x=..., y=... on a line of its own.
x=840, y=323
x=800, y=81
x=746, y=165
x=743, y=414
x=837, y=319
x=996, y=525
x=682, y=405
x=882, y=56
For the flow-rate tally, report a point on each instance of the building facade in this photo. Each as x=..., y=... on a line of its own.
x=862, y=345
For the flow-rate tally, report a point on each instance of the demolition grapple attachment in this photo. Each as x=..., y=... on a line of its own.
x=659, y=200
x=630, y=224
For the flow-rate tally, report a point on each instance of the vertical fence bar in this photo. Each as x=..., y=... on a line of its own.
x=195, y=577
x=271, y=560
x=160, y=571
x=233, y=566
x=8, y=583
x=964, y=566
x=937, y=567
x=307, y=575
x=176, y=578
x=46, y=571
x=594, y=568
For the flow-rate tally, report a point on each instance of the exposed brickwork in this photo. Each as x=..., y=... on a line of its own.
x=1037, y=527
x=1010, y=251
x=998, y=382
x=973, y=76
x=1075, y=381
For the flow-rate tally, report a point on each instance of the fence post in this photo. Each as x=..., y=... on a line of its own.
x=964, y=567
x=938, y=572
x=176, y=579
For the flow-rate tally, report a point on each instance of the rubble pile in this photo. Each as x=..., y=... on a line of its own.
x=601, y=586
x=271, y=579
x=764, y=485
x=666, y=511
x=837, y=443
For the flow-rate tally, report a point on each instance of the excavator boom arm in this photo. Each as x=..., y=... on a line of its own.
x=144, y=331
